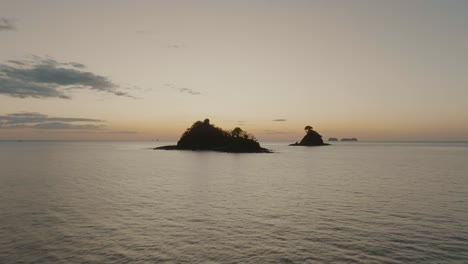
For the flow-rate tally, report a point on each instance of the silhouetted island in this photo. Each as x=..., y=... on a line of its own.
x=332, y=139
x=312, y=138
x=205, y=136
x=349, y=139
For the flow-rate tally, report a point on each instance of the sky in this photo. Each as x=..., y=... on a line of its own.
x=142, y=70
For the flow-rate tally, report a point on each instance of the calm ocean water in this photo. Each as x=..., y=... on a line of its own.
x=119, y=202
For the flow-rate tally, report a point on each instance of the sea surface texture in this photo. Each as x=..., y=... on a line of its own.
x=121, y=202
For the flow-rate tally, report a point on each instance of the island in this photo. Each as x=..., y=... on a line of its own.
x=332, y=139
x=312, y=138
x=349, y=139
x=205, y=136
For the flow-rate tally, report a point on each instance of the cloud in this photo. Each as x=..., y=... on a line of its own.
x=32, y=117
x=182, y=90
x=16, y=62
x=45, y=78
x=95, y=132
x=61, y=125
x=279, y=120
x=41, y=121
x=22, y=89
x=76, y=65
x=6, y=24
x=189, y=91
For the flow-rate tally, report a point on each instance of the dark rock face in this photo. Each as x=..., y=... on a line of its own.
x=312, y=138
x=205, y=136
x=202, y=135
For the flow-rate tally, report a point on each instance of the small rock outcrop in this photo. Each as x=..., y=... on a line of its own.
x=332, y=139
x=349, y=139
x=205, y=136
x=312, y=138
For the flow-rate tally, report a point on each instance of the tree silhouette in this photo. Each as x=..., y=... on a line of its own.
x=236, y=132
x=308, y=128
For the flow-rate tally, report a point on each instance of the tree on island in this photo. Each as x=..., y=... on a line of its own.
x=236, y=132
x=308, y=128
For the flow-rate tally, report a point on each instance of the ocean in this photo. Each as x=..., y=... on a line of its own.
x=122, y=202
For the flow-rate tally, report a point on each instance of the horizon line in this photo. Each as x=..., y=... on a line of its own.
x=150, y=140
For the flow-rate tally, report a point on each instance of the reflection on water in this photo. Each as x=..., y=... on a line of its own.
x=105, y=202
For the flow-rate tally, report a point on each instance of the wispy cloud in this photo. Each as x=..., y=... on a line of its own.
x=189, y=91
x=88, y=132
x=183, y=90
x=6, y=24
x=43, y=78
x=61, y=125
x=279, y=120
x=41, y=121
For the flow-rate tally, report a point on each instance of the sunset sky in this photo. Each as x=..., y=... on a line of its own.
x=141, y=70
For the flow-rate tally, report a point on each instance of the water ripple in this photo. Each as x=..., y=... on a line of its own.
x=121, y=203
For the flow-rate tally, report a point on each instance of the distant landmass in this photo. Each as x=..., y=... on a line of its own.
x=332, y=139
x=349, y=139
x=205, y=136
x=312, y=138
